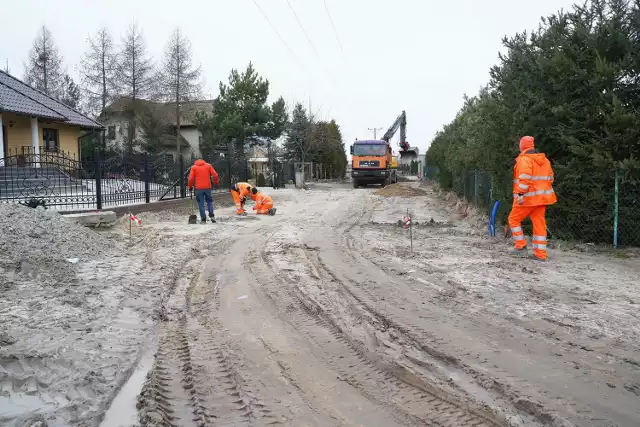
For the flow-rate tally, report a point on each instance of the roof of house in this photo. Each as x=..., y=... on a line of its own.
x=188, y=109
x=20, y=98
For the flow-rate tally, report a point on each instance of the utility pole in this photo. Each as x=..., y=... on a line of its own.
x=375, y=132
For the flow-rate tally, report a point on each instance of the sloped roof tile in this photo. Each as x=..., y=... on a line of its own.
x=12, y=101
x=23, y=99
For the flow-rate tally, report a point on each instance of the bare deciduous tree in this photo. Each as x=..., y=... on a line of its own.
x=98, y=68
x=44, y=67
x=180, y=79
x=135, y=75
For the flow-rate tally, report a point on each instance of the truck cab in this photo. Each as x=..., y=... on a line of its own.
x=372, y=162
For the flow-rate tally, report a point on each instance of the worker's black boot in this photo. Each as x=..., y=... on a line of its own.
x=203, y=220
x=212, y=217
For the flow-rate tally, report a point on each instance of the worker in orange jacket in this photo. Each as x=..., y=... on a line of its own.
x=532, y=193
x=264, y=203
x=240, y=191
x=200, y=177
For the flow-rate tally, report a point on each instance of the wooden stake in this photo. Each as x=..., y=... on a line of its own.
x=410, y=230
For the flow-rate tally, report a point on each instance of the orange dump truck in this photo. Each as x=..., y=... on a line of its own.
x=373, y=162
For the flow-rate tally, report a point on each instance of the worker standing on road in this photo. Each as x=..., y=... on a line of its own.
x=532, y=193
x=200, y=178
x=264, y=202
x=240, y=191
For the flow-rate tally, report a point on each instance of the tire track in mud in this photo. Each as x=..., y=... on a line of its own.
x=171, y=396
x=234, y=401
x=196, y=379
x=407, y=400
x=367, y=295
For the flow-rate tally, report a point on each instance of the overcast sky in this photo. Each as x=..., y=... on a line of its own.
x=415, y=55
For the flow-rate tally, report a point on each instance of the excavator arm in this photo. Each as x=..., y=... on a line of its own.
x=400, y=123
x=406, y=151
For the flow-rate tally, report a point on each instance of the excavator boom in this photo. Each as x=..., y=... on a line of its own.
x=406, y=152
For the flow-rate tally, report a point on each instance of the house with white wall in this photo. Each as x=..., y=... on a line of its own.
x=116, y=121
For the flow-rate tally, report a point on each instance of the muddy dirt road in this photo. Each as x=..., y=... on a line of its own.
x=320, y=316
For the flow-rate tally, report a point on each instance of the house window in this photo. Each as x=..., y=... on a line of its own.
x=111, y=132
x=50, y=140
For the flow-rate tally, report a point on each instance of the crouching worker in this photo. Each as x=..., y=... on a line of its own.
x=532, y=193
x=200, y=178
x=264, y=203
x=240, y=191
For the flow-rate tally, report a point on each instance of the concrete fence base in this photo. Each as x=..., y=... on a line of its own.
x=219, y=200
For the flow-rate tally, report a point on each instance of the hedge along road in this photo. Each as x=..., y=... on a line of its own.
x=320, y=316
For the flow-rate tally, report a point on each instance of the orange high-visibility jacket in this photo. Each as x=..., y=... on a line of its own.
x=533, y=179
x=243, y=188
x=201, y=174
x=260, y=198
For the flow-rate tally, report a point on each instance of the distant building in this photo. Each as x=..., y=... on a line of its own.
x=115, y=119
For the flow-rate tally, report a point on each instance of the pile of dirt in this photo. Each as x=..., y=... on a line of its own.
x=44, y=242
x=400, y=190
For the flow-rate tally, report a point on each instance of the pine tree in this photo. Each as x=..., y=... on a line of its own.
x=70, y=92
x=44, y=65
x=241, y=114
x=299, y=141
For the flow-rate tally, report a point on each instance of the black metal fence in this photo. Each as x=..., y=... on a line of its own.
x=63, y=182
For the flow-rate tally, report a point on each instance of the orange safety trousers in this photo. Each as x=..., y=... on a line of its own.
x=263, y=208
x=539, y=240
x=239, y=202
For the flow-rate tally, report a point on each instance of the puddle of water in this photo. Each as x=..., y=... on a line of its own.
x=123, y=412
x=21, y=403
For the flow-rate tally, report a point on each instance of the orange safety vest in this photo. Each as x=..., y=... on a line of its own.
x=243, y=188
x=533, y=179
x=260, y=198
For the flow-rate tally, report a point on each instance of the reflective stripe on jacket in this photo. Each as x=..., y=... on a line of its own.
x=260, y=198
x=533, y=179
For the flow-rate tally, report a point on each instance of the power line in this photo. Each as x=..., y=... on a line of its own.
x=302, y=28
x=334, y=29
x=310, y=42
x=274, y=29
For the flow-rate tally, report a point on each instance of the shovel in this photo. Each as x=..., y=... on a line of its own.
x=193, y=218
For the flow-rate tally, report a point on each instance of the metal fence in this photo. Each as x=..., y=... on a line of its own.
x=63, y=182
x=611, y=215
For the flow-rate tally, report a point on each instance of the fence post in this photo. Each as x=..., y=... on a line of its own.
x=475, y=187
x=98, y=179
x=615, y=210
x=147, y=178
x=183, y=193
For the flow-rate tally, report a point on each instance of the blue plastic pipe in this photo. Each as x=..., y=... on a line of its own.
x=492, y=220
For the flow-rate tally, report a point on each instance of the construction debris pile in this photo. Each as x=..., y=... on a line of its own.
x=43, y=243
